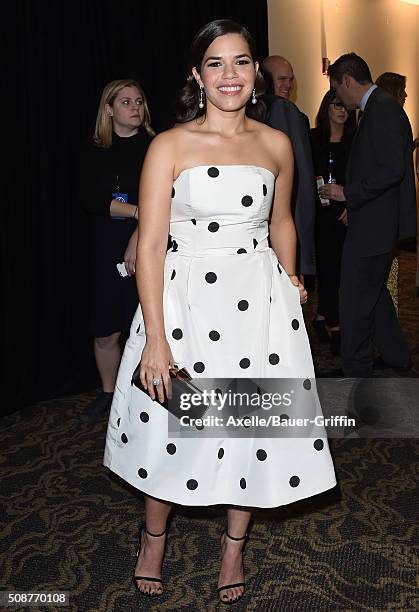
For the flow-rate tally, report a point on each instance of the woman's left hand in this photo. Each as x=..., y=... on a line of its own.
x=130, y=254
x=303, y=293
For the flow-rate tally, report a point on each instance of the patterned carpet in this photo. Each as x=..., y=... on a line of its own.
x=68, y=525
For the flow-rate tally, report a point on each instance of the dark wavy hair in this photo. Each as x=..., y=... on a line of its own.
x=186, y=107
x=323, y=123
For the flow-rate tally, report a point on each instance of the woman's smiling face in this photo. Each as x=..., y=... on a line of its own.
x=227, y=73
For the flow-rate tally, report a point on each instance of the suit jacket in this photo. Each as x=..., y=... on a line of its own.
x=380, y=184
x=285, y=116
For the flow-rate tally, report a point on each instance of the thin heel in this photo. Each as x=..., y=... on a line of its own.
x=225, y=587
x=144, y=530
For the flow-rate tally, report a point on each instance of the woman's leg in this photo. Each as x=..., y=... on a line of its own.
x=232, y=562
x=150, y=559
x=108, y=356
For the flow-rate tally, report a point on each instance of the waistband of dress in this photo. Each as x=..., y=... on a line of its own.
x=252, y=248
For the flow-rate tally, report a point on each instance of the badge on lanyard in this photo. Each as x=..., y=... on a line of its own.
x=121, y=197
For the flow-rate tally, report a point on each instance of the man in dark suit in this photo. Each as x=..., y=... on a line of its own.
x=381, y=205
x=285, y=116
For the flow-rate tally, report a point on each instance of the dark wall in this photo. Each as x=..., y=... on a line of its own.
x=56, y=58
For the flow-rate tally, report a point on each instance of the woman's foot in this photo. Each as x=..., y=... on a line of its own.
x=147, y=574
x=98, y=408
x=231, y=580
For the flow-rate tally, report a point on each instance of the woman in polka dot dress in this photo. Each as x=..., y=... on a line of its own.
x=220, y=303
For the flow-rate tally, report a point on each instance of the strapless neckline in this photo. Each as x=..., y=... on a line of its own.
x=224, y=166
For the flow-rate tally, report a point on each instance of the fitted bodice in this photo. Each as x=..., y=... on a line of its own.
x=219, y=208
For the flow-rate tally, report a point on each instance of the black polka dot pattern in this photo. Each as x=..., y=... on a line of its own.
x=235, y=316
x=213, y=226
x=261, y=454
x=210, y=277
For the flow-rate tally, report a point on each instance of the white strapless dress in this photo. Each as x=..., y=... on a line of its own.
x=229, y=311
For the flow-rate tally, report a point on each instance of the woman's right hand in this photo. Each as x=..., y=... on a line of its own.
x=156, y=359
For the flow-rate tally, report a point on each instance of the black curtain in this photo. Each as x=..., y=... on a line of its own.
x=56, y=58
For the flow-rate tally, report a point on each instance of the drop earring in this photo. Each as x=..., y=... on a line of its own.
x=201, y=97
x=254, y=98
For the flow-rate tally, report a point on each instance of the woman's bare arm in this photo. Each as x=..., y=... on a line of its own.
x=154, y=214
x=282, y=229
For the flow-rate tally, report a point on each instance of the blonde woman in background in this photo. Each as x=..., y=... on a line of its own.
x=110, y=168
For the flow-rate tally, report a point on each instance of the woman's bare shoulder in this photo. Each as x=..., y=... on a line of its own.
x=171, y=139
x=268, y=133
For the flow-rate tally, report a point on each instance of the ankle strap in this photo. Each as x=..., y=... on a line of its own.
x=154, y=535
x=236, y=539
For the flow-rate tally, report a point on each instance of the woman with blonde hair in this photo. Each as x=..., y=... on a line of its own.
x=110, y=168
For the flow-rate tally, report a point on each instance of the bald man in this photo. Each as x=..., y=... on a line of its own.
x=282, y=75
x=284, y=115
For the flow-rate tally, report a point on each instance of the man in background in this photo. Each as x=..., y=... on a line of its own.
x=284, y=115
x=381, y=204
x=282, y=75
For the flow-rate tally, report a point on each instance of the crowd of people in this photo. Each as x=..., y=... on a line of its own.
x=234, y=184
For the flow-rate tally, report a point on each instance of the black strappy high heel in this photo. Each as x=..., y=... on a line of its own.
x=148, y=578
x=236, y=584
